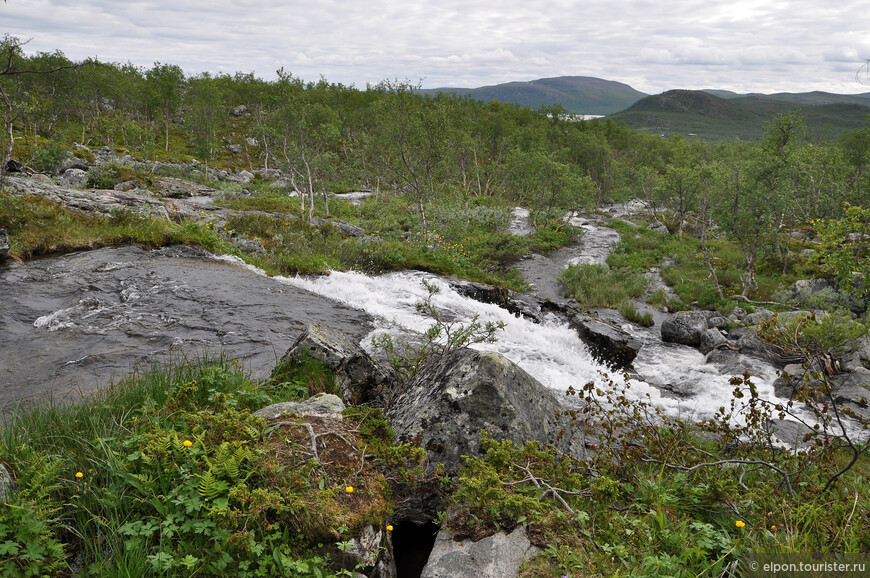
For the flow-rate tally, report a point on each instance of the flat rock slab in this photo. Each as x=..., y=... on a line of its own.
x=72, y=324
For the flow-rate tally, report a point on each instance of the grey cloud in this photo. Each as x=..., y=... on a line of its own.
x=651, y=45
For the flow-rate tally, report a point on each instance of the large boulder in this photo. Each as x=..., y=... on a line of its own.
x=498, y=556
x=686, y=327
x=357, y=376
x=453, y=398
x=607, y=343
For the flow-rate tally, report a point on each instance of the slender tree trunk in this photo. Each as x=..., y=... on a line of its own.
x=423, y=217
x=706, y=250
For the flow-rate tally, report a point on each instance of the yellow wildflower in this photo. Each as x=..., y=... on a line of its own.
x=739, y=523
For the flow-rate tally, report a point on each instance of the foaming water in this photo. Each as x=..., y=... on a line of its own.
x=551, y=352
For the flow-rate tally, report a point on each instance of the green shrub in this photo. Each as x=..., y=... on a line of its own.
x=600, y=286
x=49, y=156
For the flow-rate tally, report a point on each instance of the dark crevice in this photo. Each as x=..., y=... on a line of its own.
x=412, y=544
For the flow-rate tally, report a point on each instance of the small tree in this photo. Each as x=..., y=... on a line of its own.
x=165, y=82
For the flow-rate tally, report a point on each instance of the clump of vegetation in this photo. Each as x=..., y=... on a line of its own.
x=441, y=338
x=49, y=156
x=38, y=226
x=107, y=175
x=170, y=473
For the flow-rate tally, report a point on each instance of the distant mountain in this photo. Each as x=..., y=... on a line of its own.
x=814, y=98
x=578, y=94
x=709, y=117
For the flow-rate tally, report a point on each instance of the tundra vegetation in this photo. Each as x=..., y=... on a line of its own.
x=168, y=473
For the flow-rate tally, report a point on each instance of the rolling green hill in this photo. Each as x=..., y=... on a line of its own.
x=708, y=117
x=815, y=98
x=578, y=94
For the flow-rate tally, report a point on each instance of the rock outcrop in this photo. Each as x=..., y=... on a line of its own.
x=96, y=201
x=446, y=406
x=357, y=376
x=607, y=343
x=498, y=556
x=685, y=327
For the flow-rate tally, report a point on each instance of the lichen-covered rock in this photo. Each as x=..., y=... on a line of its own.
x=358, y=377
x=686, y=327
x=320, y=405
x=448, y=403
x=73, y=177
x=99, y=202
x=757, y=317
x=498, y=556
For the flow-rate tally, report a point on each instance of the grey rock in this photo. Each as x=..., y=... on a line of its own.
x=129, y=185
x=447, y=404
x=235, y=148
x=757, y=317
x=658, y=228
x=685, y=327
x=240, y=110
x=749, y=344
x=358, y=377
x=856, y=237
x=349, y=229
x=607, y=343
x=74, y=163
x=710, y=340
x=248, y=245
x=797, y=235
x=518, y=304
x=176, y=188
x=370, y=554
x=498, y=556
x=269, y=173
x=717, y=322
x=7, y=486
x=4, y=244
x=807, y=253
x=738, y=312
x=320, y=405
x=99, y=202
x=850, y=390
x=73, y=177
x=251, y=142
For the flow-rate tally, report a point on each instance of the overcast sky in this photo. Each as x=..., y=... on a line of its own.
x=740, y=45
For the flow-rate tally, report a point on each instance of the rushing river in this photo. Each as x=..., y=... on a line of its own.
x=71, y=324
